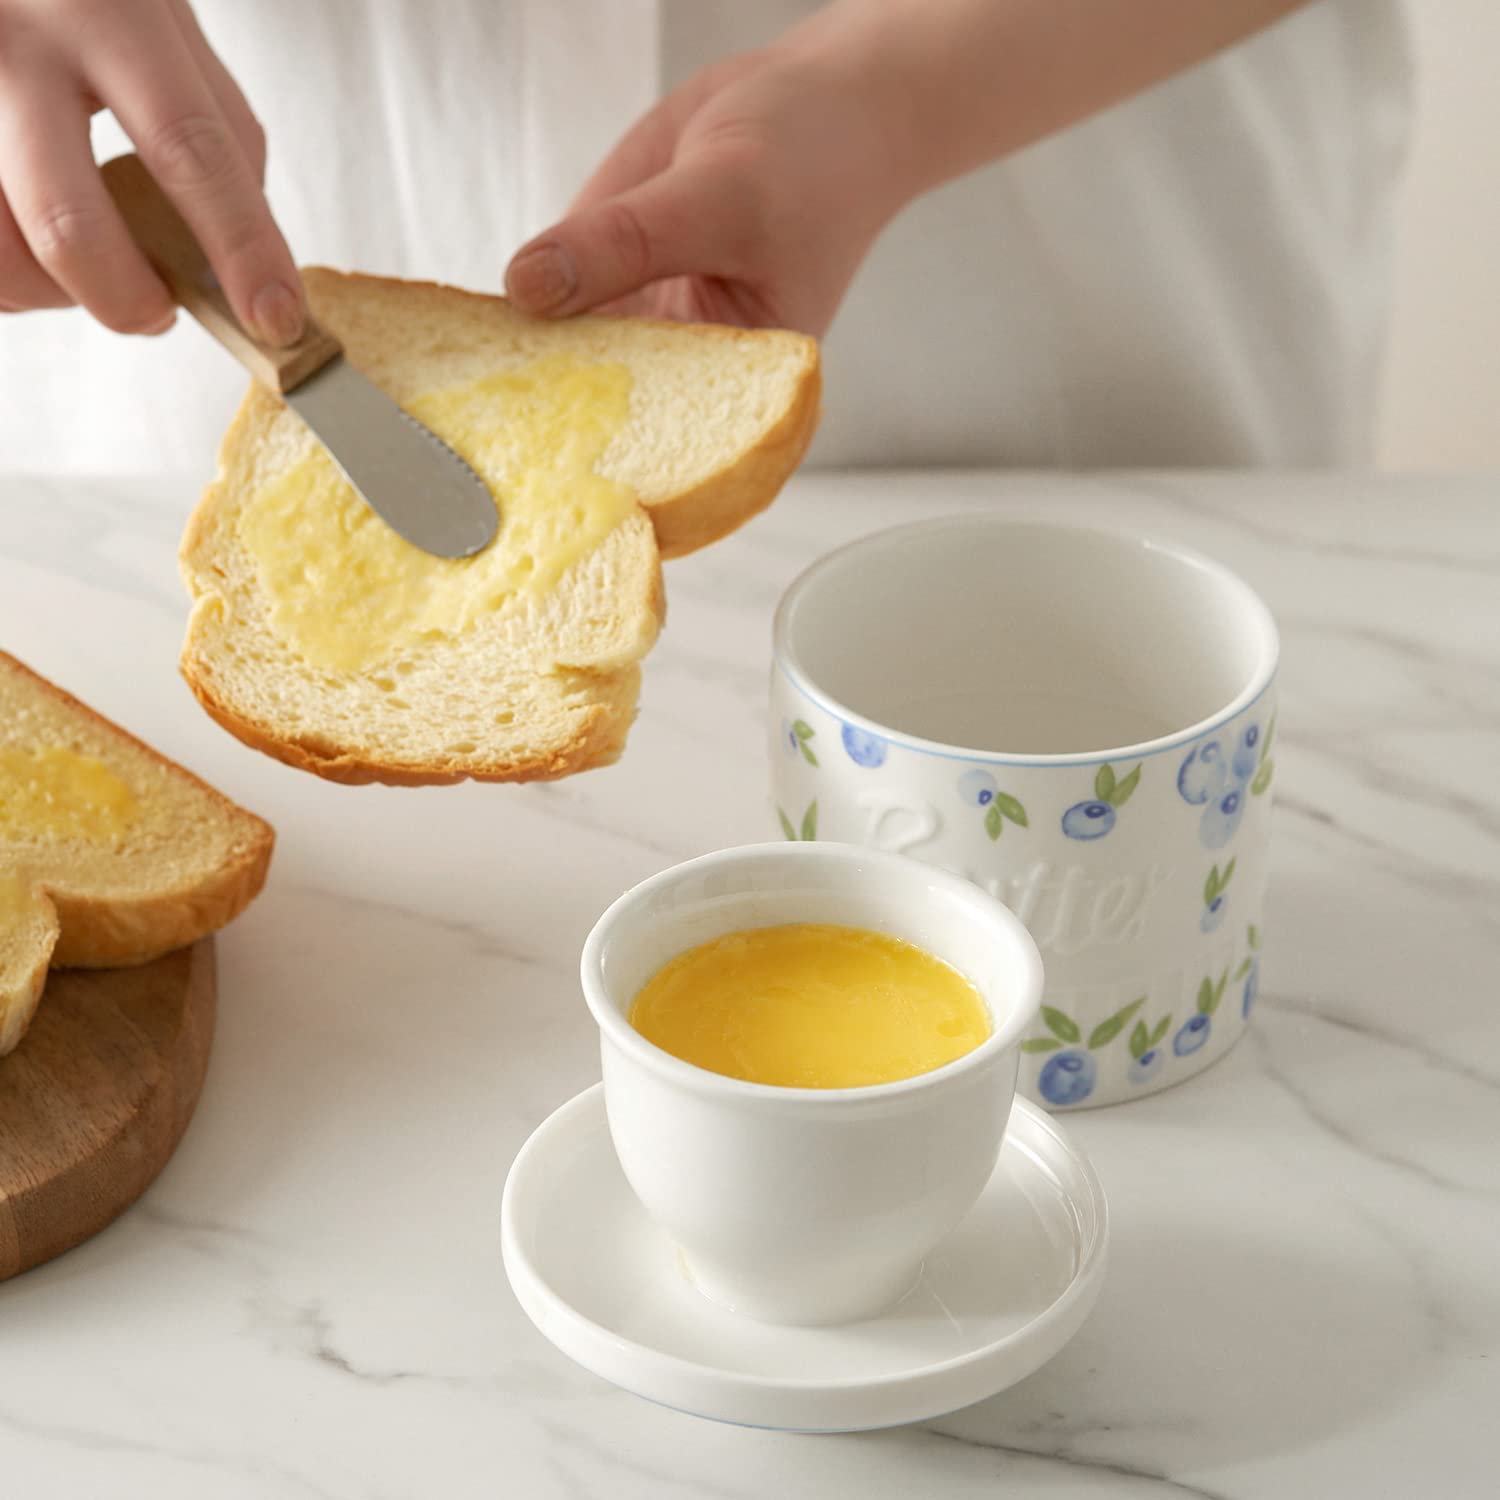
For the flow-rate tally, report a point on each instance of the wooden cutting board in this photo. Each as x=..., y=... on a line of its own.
x=95, y=1099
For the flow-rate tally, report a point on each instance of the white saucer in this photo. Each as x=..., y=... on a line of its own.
x=995, y=1301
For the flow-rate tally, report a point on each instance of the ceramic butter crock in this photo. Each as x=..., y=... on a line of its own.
x=1080, y=722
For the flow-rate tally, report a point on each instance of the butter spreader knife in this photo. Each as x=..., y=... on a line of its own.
x=407, y=475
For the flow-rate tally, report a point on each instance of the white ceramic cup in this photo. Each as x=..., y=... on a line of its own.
x=801, y=1205
x=1077, y=720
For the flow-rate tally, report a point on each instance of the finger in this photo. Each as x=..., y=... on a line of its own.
x=24, y=285
x=150, y=79
x=247, y=129
x=691, y=219
x=71, y=227
x=641, y=304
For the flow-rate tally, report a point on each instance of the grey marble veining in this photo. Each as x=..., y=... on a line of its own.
x=1304, y=1295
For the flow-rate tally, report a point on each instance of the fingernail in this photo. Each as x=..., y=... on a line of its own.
x=168, y=322
x=542, y=278
x=277, y=311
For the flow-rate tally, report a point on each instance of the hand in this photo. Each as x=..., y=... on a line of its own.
x=61, y=239
x=749, y=196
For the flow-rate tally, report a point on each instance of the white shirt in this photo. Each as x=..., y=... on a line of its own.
x=1197, y=276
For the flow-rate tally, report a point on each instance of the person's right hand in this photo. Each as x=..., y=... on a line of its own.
x=61, y=239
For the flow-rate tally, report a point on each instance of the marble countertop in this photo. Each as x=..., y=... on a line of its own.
x=1304, y=1296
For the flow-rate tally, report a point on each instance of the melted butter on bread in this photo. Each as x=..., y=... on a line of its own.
x=57, y=793
x=347, y=593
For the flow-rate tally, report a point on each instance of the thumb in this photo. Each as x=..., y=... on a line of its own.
x=690, y=219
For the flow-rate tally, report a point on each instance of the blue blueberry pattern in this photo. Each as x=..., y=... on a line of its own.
x=1095, y=816
x=1147, y=1056
x=1252, y=987
x=1194, y=1032
x=1088, y=820
x=1192, y=1036
x=1147, y=1066
x=1219, y=783
x=977, y=788
x=864, y=748
x=796, y=735
x=1214, y=899
x=1221, y=818
x=980, y=789
x=1246, y=757
x=1203, y=773
x=1069, y=1077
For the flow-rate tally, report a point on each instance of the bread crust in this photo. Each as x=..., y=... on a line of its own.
x=18, y=1006
x=723, y=502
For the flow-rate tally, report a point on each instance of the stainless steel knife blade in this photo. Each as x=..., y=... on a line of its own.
x=407, y=474
x=412, y=479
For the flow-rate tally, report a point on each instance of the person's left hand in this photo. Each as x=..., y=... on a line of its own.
x=749, y=195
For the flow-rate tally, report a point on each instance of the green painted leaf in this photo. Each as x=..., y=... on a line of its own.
x=1211, y=887
x=803, y=730
x=993, y=822
x=810, y=821
x=1105, y=1031
x=1041, y=1044
x=1126, y=788
x=1059, y=1025
x=786, y=825
x=1161, y=1028
x=1254, y=935
x=1140, y=1040
x=1263, y=777
x=1109, y=1028
x=1209, y=994
x=807, y=754
x=1228, y=874
x=1243, y=970
x=1265, y=747
x=1011, y=807
x=1104, y=783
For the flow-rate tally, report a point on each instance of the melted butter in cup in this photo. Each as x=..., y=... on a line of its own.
x=811, y=1005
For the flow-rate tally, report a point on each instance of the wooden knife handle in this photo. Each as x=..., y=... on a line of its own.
x=168, y=244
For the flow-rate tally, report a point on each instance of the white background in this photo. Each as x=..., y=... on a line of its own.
x=1443, y=374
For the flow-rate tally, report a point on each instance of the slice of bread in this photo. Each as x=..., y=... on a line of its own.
x=544, y=685
x=28, y=936
x=180, y=863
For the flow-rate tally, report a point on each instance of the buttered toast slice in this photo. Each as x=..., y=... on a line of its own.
x=110, y=854
x=321, y=637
